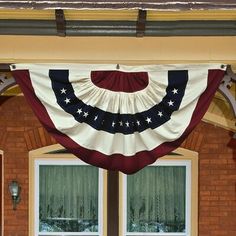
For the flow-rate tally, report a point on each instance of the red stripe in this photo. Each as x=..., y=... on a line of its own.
x=130, y=164
x=120, y=81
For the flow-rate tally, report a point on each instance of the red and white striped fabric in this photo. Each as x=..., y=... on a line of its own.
x=119, y=119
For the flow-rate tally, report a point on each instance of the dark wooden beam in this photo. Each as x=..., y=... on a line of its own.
x=141, y=23
x=60, y=22
x=113, y=203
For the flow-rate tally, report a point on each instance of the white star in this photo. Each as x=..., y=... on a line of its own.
x=160, y=113
x=79, y=111
x=121, y=123
x=149, y=120
x=113, y=124
x=175, y=91
x=127, y=124
x=138, y=122
x=63, y=90
x=85, y=114
x=67, y=100
x=95, y=117
x=171, y=103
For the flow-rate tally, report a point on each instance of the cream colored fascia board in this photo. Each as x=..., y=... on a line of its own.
x=21, y=14
x=120, y=15
x=192, y=15
x=69, y=14
x=106, y=15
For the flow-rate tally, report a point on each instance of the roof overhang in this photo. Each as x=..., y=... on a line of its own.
x=117, y=4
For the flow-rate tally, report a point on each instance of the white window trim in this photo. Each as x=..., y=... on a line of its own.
x=162, y=162
x=76, y=161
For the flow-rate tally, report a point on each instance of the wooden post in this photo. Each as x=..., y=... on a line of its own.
x=113, y=203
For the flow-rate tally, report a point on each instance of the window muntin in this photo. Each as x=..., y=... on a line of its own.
x=68, y=198
x=142, y=193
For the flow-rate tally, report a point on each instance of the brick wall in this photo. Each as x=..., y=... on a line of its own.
x=20, y=132
x=217, y=179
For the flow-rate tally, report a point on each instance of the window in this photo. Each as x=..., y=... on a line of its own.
x=68, y=197
x=161, y=199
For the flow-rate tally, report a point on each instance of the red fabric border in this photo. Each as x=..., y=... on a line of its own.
x=127, y=165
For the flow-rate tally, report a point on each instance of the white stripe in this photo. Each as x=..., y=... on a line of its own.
x=102, y=67
x=130, y=144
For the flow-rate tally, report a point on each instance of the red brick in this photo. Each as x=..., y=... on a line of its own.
x=219, y=232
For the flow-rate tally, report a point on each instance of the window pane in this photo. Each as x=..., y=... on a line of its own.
x=68, y=199
x=156, y=199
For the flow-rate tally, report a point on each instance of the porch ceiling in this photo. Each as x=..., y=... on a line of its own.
x=117, y=15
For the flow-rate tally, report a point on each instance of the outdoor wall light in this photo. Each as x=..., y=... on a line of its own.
x=15, y=189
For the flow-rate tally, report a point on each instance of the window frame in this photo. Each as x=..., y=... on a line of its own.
x=43, y=157
x=181, y=157
x=178, y=154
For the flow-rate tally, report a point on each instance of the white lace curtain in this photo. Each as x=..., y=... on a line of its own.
x=68, y=193
x=156, y=200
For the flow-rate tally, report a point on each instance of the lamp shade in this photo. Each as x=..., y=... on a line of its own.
x=14, y=188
